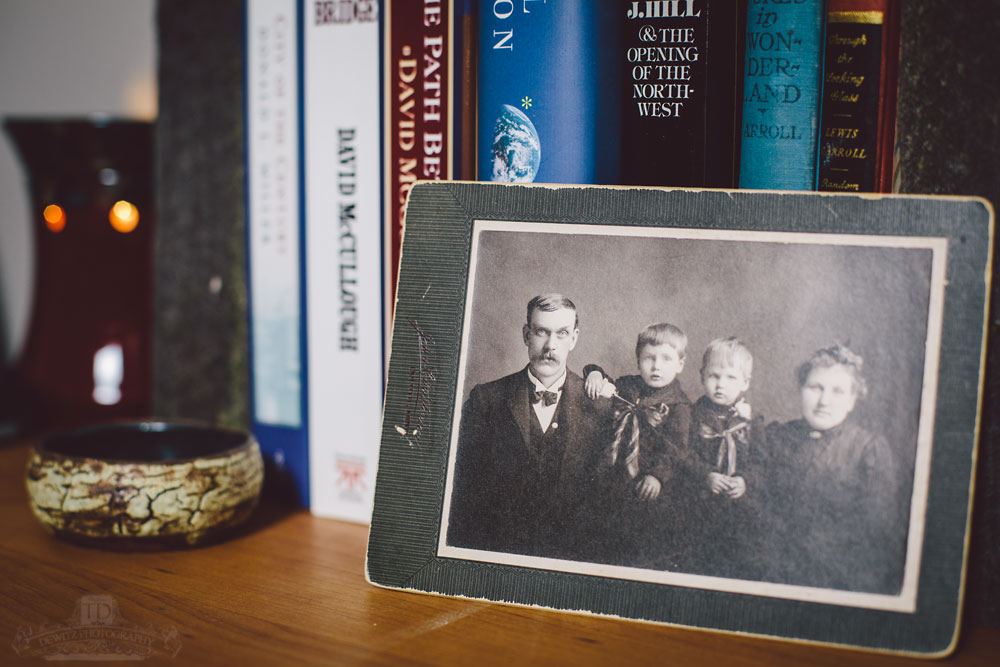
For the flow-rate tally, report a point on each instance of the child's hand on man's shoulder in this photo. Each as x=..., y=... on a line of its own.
x=597, y=386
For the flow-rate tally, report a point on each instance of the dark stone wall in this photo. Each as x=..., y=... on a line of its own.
x=949, y=139
x=200, y=350
x=949, y=127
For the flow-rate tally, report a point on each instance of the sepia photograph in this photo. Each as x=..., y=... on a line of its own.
x=737, y=411
x=745, y=412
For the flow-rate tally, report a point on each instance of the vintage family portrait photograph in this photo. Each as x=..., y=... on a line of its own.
x=739, y=411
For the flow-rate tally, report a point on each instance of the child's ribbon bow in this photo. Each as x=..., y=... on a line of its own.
x=627, y=419
x=727, y=446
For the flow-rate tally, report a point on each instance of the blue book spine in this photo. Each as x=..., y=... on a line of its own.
x=782, y=79
x=548, y=91
x=278, y=378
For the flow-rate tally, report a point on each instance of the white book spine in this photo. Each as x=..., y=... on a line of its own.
x=343, y=254
x=273, y=211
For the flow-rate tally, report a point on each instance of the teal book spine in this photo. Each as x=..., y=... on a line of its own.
x=782, y=79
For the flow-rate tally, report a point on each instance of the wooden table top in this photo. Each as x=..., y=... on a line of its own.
x=291, y=590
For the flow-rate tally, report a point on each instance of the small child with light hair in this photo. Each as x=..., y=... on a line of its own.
x=722, y=458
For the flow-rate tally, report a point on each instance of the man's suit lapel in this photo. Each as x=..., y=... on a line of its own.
x=520, y=406
x=570, y=405
x=580, y=418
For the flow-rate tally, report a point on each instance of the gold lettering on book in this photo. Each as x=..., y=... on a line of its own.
x=407, y=177
x=873, y=18
x=846, y=79
x=842, y=186
x=856, y=153
x=841, y=132
x=407, y=71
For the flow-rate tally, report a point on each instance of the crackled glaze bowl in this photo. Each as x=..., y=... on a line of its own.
x=144, y=484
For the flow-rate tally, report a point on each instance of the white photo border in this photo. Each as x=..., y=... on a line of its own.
x=906, y=600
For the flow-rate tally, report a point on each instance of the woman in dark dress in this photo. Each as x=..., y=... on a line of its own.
x=836, y=510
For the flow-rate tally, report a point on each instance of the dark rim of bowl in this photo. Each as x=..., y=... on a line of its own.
x=162, y=442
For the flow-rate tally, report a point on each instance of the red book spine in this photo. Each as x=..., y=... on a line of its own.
x=887, y=100
x=417, y=113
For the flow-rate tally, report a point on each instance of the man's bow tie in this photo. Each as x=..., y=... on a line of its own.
x=550, y=397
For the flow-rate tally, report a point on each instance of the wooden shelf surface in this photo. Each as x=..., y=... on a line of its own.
x=290, y=589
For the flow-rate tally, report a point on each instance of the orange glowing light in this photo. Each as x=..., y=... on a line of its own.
x=55, y=217
x=124, y=217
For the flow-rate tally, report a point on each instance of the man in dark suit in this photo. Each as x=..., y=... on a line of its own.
x=525, y=470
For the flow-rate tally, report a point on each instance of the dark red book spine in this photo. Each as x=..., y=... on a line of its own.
x=858, y=121
x=419, y=120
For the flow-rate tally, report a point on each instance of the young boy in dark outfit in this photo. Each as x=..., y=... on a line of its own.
x=646, y=436
x=723, y=466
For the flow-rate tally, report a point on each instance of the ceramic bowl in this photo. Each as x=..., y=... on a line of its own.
x=148, y=483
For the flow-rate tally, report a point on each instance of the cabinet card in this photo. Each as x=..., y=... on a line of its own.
x=750, y=412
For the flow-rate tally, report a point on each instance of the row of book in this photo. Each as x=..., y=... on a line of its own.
x=332, y=149
x=790, y=94
x=819, y=95
x=350, y=102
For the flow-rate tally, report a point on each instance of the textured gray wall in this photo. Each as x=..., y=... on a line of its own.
x=949, y=133
x=200, y=352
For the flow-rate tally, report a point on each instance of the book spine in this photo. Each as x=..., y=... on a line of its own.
x=547, y=91
x=681, y=69
x=419, y=114
x=277, y=369
x=782, y=74
x=342, y=175
x=464, y=100
x=857, y=128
